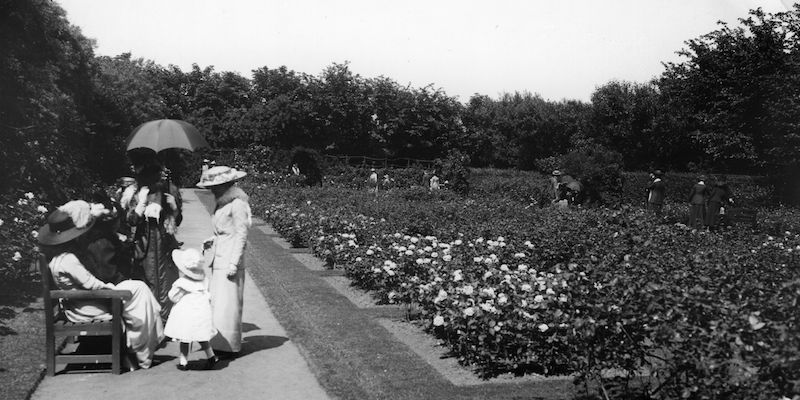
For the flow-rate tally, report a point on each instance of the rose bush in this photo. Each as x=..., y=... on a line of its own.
x=20, y=219
x=612, y=296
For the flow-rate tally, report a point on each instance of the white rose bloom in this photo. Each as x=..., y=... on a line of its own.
x=29, y=195
x=504, y=268
x=17, y=256
x=469, y=311
x=539, y=298
x=458, y=242
x=35, y=234
x=525, y=287
x=41, y=209
x=502, y=299
x=441, y=296
x=447, y=257
x=434, y=254
x=543, y=327
x=409, y=253
x=438, y=320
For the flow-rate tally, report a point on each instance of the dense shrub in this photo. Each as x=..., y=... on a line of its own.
x=600, y=172
x=20, y=220
x=521, y=290
x=456, y=172
x=310, y=163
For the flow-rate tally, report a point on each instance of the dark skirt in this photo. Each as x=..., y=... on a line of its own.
x=153, y=262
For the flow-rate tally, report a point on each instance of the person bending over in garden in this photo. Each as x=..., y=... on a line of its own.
x=719, y=197
x=656, y=192
x=697, y=203
x=63, y=241
x=231, y=222
x=154, y=210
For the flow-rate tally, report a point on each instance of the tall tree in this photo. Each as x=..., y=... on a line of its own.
x=738, y=92
x=45, y=89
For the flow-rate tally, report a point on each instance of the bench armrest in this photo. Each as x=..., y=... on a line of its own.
x=91, y=294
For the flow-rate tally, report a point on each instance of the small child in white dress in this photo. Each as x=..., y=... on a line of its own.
x=190, y=319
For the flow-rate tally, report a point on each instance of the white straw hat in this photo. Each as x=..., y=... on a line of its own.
x=188, y=262
x=218, y=175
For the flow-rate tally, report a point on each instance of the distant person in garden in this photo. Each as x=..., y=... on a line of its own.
x=555, y=180
x=434, y=183
x=191, y=319
x=295, y=169
x=720, y=196
x=387, y=182
x=63, y=240
x=154, y=212
x=231, y=221
x=372, y=181
x=697, y=202
x=565, y=187
x=656, y=192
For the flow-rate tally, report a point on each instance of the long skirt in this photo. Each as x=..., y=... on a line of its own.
x=154, y=263
x=697, y=215
x=144, y=330
x=712, y=219
x=227, y=298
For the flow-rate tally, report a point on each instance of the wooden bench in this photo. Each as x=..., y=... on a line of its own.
x=58, y=325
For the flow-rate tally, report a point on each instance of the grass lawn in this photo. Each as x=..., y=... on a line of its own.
x=21, y=341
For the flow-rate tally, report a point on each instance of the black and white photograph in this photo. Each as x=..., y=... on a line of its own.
x=374, y=200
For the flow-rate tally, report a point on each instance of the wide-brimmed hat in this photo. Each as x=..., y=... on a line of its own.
x=556, y=173
x=218, y=175
x=658, y=173
x=60, y=227
x=188, y=262
x=126, y=181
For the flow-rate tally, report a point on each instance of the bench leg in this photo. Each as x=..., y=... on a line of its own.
x=116, y=339
x=50, y=345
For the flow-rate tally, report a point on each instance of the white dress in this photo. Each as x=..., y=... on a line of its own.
x=230, y=221
x=190, y=318
x=141, y=313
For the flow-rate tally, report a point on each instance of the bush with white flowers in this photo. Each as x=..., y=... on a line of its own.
x=510, y=289
x=20, y=220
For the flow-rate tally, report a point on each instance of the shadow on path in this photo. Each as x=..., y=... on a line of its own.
x=252, y=344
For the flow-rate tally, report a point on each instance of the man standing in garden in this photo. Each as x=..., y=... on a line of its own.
x=655, y=192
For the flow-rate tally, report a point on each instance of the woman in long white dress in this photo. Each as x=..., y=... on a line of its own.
x=62, y=240
x=231, y=222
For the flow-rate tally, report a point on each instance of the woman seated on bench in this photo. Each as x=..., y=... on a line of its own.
x=63, y=241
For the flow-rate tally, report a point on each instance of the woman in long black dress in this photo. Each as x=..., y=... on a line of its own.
x=154, y=212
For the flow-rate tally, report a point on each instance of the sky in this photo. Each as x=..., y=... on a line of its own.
x=558, y=49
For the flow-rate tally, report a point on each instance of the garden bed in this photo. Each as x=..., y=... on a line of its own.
x=528, y=291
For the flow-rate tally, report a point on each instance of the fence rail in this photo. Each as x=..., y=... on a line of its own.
x=365, y=161
x=229, y=156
